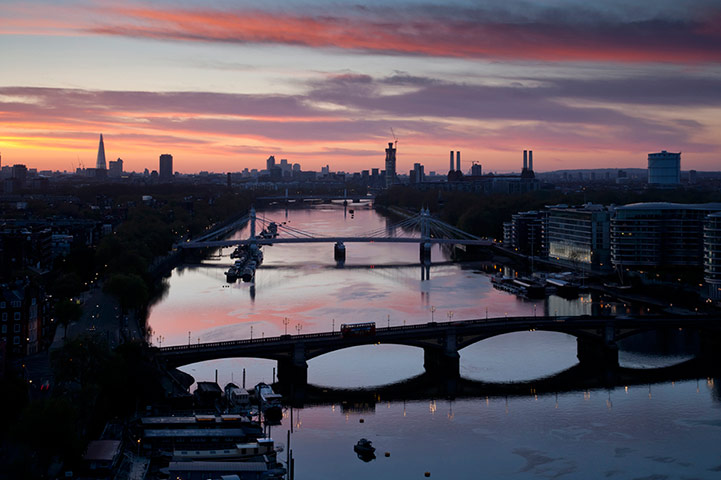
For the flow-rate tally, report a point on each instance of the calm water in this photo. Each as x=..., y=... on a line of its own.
x=636, y=432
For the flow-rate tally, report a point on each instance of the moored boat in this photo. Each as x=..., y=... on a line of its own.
x=241, y=451
x=268, y=401
x=364, y=447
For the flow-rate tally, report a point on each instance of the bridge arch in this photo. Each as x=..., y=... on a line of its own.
x=519, y=356
x=366, y=366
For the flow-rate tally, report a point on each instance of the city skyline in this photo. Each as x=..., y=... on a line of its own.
x=324, y=82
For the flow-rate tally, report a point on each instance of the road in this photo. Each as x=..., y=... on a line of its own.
x=101, y=316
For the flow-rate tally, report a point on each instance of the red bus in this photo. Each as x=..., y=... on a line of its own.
x=358, y=329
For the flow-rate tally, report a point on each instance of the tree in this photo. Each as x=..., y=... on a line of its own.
x=67, y=286
x=131, y=290
x=66, y=312
x=48, y=429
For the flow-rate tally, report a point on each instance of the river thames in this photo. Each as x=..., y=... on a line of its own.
x=652, y=431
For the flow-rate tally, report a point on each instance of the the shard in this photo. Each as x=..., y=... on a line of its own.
x=100, y=164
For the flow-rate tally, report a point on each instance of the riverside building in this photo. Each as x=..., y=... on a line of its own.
x=659, y=234
x=579, y=234
x=712, y=255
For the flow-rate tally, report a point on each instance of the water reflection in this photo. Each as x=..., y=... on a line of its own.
x=378, y=282
x=366, y=366
x=612, y=432
x=518, y=356
x=523, y=408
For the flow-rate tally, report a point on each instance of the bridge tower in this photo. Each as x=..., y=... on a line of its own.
x=425, y=245
x=252, y=222
x=253, y=245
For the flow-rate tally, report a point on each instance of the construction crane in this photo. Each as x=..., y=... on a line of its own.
x=394, y=138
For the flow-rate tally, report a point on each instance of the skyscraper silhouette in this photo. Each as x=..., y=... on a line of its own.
x=165, y=167
x=100, y=164
x=390, y=165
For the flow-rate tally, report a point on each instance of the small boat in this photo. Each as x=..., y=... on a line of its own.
x=236, y=397
x=248, y=271
x=268, y=401
x=364, y=447
x=231, y=275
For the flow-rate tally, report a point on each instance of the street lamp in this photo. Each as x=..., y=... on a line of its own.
x=251, y=332
x=433, y=310
x=450, y=315
x=286, y=322
x=389, y=321
x=332, y=325
x=298, y=328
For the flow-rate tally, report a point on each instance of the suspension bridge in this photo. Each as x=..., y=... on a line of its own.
x=422, y=229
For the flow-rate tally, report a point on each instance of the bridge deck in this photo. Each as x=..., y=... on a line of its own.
x=425, y=330
x=281, y=240
x=318, y=197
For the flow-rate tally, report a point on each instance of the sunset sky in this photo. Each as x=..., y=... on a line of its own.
x=222, y=87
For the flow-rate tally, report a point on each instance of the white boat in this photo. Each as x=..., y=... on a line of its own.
x=237, y=397
x=268, y=401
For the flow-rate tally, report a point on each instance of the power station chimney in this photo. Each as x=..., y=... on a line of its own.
x=451, y=168
x=525, y=160
x=458, y=160
x=530, y=160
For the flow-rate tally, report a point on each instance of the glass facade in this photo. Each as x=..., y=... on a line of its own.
x=712, y=255
x=659, y=234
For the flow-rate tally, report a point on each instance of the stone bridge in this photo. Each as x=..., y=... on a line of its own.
x=441, y=341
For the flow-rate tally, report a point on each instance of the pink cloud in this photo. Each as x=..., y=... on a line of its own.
x=445, y=35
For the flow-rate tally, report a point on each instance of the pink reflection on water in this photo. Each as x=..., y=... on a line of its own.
x=302, y=283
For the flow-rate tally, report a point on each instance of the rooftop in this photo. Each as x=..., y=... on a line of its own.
x=671, y=206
